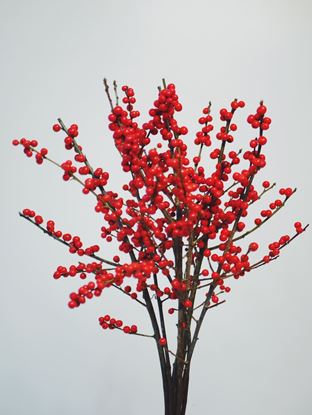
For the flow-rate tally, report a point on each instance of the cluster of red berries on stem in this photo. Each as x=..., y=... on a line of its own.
x=108, y=322
x=179, y=224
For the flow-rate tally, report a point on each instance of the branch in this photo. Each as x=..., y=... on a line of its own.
x=136, y=334
x=78, y=150
x=257, y=226
x=227, y=247
x=105, y=261
x=178, y=358
x=163, y=326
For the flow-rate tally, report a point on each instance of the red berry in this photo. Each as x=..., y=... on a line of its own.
x=253, y=246
x=214, y=299
x=163, y=341
x=262, y=140
x=288, y=192
x=261, y=110
x=38, y=219
x=187, y=303
x=118, y=110
x=183, y=130
x=134, y=329
x=67, y=237
x=56, y=128
x=233, y=127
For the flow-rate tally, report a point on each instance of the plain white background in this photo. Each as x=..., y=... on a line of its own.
x=254, y=353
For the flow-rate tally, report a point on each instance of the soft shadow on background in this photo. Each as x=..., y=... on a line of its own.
x=254, y=353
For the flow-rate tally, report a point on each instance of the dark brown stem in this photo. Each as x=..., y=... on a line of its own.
x=160, y=349
x=163, y=330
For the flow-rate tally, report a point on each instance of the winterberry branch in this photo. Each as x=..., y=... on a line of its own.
x=228, y=243
x=175, y=208
x=94, y=256
x=257, y=226
x=79, y=151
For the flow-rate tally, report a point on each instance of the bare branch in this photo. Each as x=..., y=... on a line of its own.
x=108, y=94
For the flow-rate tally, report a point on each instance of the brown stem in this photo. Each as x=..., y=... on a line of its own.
x=108, y=94
x=116, y=92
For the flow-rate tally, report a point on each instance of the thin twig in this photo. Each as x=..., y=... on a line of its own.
x=116, y=92
x=215, y=305
x=108, y=94
x=136, y=334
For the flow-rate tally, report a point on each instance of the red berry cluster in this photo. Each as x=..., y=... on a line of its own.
x=74, y=242
x=274, y=247
x=30, y=149
x=98, y=179
x=108, y=322
x=32, y=214
x=72, y=133
x=298, y=227
x=258, y=120
x=92, y=289
x=81, y=269
x=203, y=137
x=180, y=224
x=162, y=114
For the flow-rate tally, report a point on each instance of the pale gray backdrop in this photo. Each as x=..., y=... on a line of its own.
x=254, y=354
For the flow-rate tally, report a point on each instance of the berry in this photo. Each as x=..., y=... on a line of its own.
x=261, y=110
x=56, y=128
x=133, y=329
x=163, y=341
x=187, y=303
x=253, y=246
